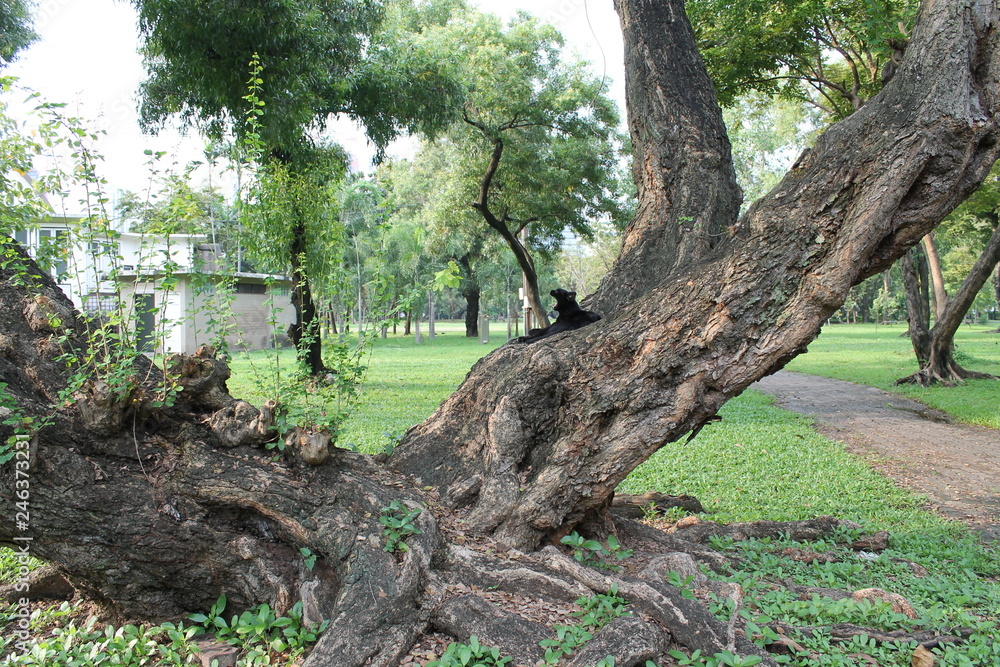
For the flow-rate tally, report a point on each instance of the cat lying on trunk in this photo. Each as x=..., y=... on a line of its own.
x=571, y=316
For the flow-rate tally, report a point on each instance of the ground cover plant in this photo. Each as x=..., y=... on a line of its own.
x=878, y=355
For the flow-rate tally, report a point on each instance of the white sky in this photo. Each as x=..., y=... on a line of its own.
x=87, y=57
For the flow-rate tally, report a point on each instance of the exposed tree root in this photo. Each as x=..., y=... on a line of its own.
x=843, y=632
x=948, y=376
x=802, y=531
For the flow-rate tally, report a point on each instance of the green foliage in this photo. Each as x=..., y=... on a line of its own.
x=778, y=468
x=722, y=659
x=397, y=521
x=959, y=589
x=472, y=654
x=321, y=58
x=595, y=554
x=16, y=31
x=827, y=52
x=261, y=633
x=597, y=611
x=71, y=644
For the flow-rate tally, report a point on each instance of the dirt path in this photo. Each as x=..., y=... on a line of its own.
x=956, y=466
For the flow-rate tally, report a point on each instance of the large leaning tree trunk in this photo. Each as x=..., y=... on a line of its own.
x=935, y=348
x=157, y=509
x=700, y=304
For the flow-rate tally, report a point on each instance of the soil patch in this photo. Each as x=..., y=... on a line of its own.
x=956, y=466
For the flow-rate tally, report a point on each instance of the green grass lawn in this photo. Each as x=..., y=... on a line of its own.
x=879, y=355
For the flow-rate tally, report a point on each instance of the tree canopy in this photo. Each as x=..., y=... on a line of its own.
x=16, y=29
x=832, y=53
x=537, y=149
x=320, y=58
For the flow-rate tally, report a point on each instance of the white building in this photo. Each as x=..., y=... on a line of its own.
x=174, y=290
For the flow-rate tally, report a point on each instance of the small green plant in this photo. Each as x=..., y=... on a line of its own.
x=674, y=579
x=472, y=654
x=597, y=611
x=568, y=639
x=595, y=554
x=261, y=633
x=309, y=558
x=397, y=520
x=722, y=659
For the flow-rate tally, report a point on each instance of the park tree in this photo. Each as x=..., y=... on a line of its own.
x=833, y=54
x=16, y=29
x=978, y=220
x=157, y=514
x=535, y=153
x=315, y=60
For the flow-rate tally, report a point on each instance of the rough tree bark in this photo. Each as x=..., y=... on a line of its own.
x=935, y=348
x=916, y=284
x=471, y=292
x=156, y=510
x=305, y=332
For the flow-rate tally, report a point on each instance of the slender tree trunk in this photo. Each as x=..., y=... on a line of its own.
x=430, y=315
x=939, y=296
x=471, y=292
x=917, y=304
x=996, y=292
x=939, y=364
x=519, y=248
x=305, y=332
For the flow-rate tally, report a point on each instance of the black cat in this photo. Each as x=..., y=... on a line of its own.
x=571, y=316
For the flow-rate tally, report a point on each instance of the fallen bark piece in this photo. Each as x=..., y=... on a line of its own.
x=900, y=605
x=513, y=636
x=876, y=543
x=922, y=658
x=628, y=640
x=213, y=653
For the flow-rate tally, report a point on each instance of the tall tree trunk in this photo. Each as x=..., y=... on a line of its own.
x=305, y=332
x=680, y=147
x=156, y=509
x=938, y=364
x=917, y=303
x=939, y=296
x=996, y=291
x=471, y=292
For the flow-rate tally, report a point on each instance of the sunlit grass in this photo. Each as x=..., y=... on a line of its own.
x=404, y=382
x=880, y=355
x=761, y=462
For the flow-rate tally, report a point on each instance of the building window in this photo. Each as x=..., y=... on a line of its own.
x=251, y=288
x=100, y=303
